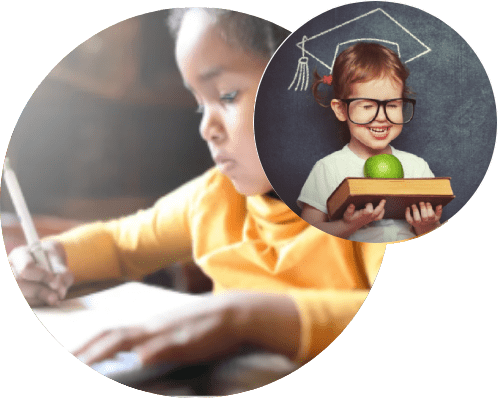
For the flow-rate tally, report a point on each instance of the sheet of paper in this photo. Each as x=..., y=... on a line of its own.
x=77, y=320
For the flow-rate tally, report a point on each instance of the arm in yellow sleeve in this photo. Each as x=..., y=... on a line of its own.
x=324, y=314
x=136, y=245
x=323, y=317
x=302, y=322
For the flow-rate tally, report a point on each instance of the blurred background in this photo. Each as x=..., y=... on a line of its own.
x=110, y=129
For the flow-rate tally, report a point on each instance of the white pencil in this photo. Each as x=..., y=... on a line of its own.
x=27, y=223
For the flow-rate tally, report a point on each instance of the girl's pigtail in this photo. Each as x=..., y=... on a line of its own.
x=317, y=80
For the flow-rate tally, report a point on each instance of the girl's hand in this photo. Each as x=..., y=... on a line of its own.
x=426, y=219
x=212, y=328
x=198, y=333
x=362, y=217
x=40, y=286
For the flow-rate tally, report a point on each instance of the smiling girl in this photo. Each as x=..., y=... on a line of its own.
x=279, y=284
x=371, y=97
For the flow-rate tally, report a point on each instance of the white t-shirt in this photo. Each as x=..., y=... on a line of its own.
x=330, y=171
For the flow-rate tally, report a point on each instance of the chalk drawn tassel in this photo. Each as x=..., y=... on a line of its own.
x=301, y=77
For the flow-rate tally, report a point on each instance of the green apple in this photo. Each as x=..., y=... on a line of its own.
x=383, y=166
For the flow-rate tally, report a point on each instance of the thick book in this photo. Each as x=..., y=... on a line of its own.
x=399, y=193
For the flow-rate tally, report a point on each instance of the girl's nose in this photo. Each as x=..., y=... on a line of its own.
x=381, y=115
x=211, y=128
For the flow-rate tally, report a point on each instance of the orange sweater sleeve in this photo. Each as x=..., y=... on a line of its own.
x=136, y=245
x=324, y=314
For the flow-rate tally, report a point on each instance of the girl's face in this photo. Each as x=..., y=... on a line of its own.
x=224, y=80
x=373, y=138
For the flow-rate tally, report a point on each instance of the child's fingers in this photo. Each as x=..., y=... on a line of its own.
x=35, y=273
x=408, y=216
x=22, y=262
x=349, y=213
x=378, y=209
x=38, y=294
x=62, y=284
x=416, y=214
x=368, y=209
x=381, y=215
x=110, y=343
x=381, y=204
x=423, y=212
x=439, y=212
x=430, y=212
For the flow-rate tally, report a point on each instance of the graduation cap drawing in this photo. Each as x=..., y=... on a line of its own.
x=375, y=26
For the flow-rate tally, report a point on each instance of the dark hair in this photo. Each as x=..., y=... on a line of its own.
x=362, y=62
x=252, y=33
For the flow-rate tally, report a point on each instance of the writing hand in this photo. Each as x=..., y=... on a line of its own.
x=424, y=220
x=39, y=285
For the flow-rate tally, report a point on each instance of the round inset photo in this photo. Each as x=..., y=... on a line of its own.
x=375, y=122
x=166, y=261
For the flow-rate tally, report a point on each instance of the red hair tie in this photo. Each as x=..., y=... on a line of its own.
x=327, y=79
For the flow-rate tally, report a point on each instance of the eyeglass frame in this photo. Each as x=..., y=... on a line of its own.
x=379, y=103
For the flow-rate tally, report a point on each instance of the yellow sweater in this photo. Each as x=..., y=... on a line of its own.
x=250, y=243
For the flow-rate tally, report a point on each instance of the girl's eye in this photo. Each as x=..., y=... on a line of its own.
x=229, y=97
x=395, y=104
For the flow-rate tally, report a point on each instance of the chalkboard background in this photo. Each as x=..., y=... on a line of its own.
x=454, y=128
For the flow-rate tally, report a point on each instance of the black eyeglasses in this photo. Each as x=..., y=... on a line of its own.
x=365, y=110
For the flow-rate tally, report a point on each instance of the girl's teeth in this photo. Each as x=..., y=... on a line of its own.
x=377, y=130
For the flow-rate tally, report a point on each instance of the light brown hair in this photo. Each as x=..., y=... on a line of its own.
x=362, y=62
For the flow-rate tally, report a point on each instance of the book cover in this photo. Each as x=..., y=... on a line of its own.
x=399, y=193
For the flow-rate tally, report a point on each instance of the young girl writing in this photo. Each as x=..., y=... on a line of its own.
x=370, y=96
x=279, y=284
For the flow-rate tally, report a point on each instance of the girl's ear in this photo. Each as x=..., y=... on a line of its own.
x=339, y=109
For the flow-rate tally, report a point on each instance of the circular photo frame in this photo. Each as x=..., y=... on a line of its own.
x=451, y=135
x=112, y=133
x=108, y=153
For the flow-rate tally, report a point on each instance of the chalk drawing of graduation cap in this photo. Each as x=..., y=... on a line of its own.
x=376, y=26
